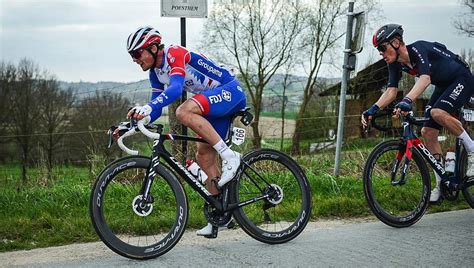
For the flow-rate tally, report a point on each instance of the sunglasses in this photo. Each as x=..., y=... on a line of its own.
x=136, y=54
x=383, y=47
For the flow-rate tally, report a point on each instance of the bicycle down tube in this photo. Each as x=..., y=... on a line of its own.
x=414, y=142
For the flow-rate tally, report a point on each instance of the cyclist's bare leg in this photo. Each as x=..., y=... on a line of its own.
x=447, y=121
x=453, y=126
x=207, y=159
x=430, y=137
x=190, y=115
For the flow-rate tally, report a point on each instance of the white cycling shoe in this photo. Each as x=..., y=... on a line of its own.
x=470, y=164
x=435, y=194
x=207, y=230
x=229, y=169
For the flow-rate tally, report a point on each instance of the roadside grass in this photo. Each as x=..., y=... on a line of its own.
x=46, y=213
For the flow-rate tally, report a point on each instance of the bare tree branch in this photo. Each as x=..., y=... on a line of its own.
x=464, y=21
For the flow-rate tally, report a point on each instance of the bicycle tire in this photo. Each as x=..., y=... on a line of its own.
x=381, y=194
x=468, y=183
x=117, y=223
x=261, y=219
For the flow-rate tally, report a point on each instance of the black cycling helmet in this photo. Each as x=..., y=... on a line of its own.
x=387, y=33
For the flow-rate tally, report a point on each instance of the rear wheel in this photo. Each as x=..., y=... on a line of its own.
x=468, y=182
x=284, y=214
x=128, y=224
x=399, y=205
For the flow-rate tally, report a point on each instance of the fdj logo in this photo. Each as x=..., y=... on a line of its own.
x=226, y=95
x=189, y=83
x=215, y=99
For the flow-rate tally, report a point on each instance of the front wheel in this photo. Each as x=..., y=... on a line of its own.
x=397, y=205
x=284, y=214
x=128, y=224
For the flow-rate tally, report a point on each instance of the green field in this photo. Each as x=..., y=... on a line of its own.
x=55, y=212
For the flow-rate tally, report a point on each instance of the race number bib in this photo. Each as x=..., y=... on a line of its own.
x=468, y=115
x=238, y=136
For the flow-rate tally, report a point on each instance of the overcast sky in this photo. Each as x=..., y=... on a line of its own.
x=85, y=39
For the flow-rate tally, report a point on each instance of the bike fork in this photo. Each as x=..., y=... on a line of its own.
x=406, y=163
x=148, y=181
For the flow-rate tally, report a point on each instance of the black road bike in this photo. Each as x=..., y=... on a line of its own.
x=397, y=170
x=139, y=208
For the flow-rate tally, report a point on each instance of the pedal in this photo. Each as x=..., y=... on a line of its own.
x=213, y=235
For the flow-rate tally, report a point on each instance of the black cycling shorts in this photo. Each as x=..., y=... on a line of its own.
x=450, y=98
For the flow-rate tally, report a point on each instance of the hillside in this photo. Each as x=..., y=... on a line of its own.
x=140, y=90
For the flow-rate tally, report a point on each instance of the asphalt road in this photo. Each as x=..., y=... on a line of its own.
x=437, y=240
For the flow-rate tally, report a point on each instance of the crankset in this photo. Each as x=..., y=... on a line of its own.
x=214, y=217
x=449, y=193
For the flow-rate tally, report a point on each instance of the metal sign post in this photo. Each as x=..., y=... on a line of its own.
x=350, y=49
x=184, y=9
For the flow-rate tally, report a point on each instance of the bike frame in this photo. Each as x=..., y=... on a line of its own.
x=160, y=152
x=412, y=141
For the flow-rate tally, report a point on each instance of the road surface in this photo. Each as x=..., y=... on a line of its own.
x=440, y=240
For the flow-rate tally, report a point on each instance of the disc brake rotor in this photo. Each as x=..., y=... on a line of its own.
x=141, y=207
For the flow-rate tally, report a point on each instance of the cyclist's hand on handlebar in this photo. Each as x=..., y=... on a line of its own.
x=367, y=115
x=139, y=112
x=403, y=107
x=119, y=130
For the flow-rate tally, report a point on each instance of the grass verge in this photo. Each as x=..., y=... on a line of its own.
x=54, y=212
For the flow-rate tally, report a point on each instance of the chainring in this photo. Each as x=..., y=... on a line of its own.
x=449, y=194
x=215, y=218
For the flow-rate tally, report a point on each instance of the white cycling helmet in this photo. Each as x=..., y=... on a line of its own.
x=143, y=37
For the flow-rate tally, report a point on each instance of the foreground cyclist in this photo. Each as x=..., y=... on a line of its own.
x=433, y=64
x=208, y=113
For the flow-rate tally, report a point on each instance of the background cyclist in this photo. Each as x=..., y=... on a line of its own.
x=433, y=64
x=208, y=113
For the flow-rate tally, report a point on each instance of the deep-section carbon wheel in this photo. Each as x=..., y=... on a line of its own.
x=285, y=212
x=468, y=182
x=397, y=205
x=127, y=223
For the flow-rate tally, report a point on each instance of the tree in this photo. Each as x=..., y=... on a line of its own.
x=8, y=75
x=258, y=38
x=23, y=109
x=319, y=37
x=92, y=117
x=464, y=22
x=54, y=109
x=468, y=56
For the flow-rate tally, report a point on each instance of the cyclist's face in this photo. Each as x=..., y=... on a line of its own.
x=387, y=52
x=143, y=58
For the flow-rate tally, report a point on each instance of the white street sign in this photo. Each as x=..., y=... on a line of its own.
x=184, y=8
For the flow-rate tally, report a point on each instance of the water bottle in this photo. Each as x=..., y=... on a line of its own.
x=196, y=170
x=450, y=161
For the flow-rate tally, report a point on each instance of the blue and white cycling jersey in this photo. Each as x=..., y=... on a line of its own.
x=218, y=93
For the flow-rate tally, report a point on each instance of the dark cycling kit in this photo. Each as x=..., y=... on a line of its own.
x=451, y=76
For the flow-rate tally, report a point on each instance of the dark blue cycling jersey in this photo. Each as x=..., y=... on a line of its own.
x=430, y=58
